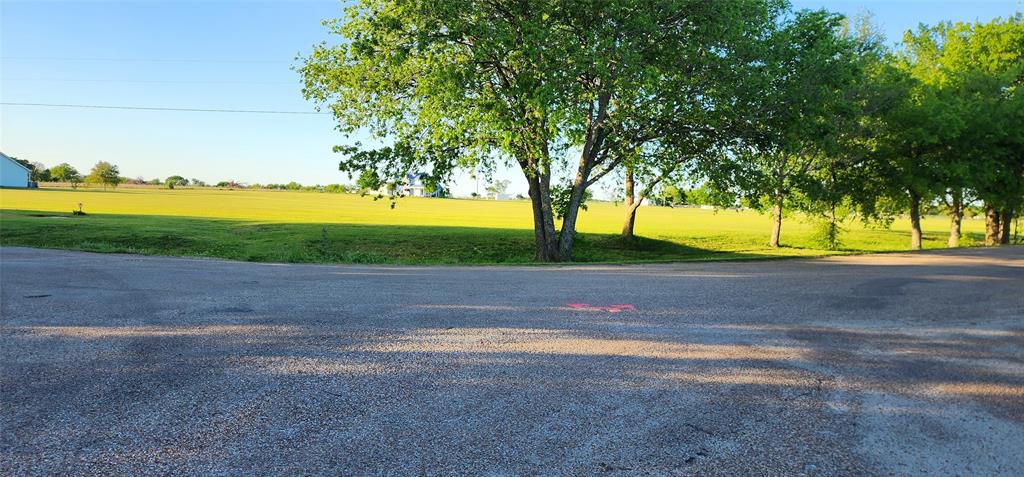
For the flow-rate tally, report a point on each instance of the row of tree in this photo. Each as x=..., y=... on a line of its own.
x=108, y=175
x=781, y=108
x=170, y=182
x=858, y=129
x=103, y=173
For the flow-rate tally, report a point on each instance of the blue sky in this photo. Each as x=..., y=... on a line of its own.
x=220, y=55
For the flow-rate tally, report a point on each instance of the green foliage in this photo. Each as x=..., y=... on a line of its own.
x=369, y=181
x=800, y=101
x=669, y=195
x=983, y=64
x=337, y=188
x=706, y=194
x=176, y=181
x=760, y=103
x=955, y=113
x=105, y=174
x=469, y=85
x=826, y=235
x=64, y=172
x=560, y=197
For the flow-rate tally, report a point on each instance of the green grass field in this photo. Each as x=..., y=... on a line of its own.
x=282, y=226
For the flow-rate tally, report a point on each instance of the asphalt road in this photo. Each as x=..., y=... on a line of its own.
x=889, y=364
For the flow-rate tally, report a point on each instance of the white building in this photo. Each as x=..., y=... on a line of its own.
x=412, y=186
x=415, y=186
x=12, y=173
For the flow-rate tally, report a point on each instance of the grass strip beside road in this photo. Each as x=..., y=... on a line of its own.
x=307, y=227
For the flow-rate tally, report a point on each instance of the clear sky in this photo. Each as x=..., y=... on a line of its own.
x=221, y=55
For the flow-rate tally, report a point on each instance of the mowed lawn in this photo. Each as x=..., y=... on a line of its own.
x=320, y=227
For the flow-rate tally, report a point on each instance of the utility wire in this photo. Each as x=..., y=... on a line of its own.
x=145, y=60
x=150, y=108
x=90, y=80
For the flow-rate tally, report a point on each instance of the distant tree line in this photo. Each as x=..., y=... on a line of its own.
x=105, y=174
x=770, y=107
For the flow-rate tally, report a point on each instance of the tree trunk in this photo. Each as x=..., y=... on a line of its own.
x=956, y=216
x=1004, y=226
x=833, y=228
x=627, y=226
x=595, y=137
x=915, y=221
x=543, y=220
x=631, y=218
x=776, y=220
x=991, y=225
x=567, y=236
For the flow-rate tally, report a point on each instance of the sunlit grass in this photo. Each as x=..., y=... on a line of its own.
x=319, y=227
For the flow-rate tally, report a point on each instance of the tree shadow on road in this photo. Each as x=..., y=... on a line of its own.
x=330, y=380
x=563, y=396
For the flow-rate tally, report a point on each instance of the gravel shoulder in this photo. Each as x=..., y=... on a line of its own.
x=892, y=364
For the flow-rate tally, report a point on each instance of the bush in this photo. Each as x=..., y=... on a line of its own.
x=826, y=235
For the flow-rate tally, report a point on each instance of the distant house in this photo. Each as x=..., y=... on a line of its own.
x=13, y=173
x=414, y=186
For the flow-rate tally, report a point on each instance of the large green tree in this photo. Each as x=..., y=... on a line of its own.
x=105, y=174
x=443, y=85
x=953, y=131
x=983, y=63
x=176, y=181
x=911, y=138
x=64, y=172
x=839, y=185
x=803, y=93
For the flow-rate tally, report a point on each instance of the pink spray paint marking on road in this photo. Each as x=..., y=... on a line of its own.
x=609, y=308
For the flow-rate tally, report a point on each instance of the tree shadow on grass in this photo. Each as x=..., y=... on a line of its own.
x=323, y=242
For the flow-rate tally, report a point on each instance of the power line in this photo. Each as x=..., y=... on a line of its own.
x=147, y=60
x=151, y=108
x=97, y=80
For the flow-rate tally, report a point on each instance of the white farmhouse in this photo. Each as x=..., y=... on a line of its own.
x=416, y=187
x=12, y=173
x=412, y=186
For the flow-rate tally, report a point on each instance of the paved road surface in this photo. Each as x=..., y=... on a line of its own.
x=889, y=364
